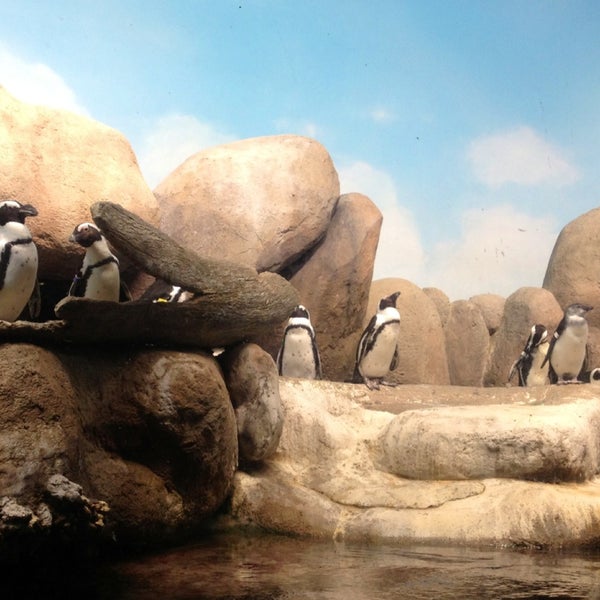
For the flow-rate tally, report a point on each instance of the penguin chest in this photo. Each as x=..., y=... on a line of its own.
x=379, y=352
x=538, y=375
x=297, y=358
x=19, y=280
x=568, y=353
x=103, y=283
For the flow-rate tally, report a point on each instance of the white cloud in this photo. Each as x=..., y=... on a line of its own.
x=519, y=156
x=172, y=140
x=399, y=253
x=382, y=115
x=36, y=83
x=499, y=251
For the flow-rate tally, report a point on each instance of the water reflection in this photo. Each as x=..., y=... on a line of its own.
x=264, y=567
x=276, y=568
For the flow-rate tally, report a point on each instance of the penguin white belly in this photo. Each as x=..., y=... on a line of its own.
x=537, y=375
x=298, y=359
x=568, y=353
x=19, y=281
x=104, y=283
x=376, y=361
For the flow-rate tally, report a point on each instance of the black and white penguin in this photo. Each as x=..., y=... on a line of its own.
x=98, y=277
x=298, y=355
x=161, y=291
x=592, y=376
x=529, y=364
x=18, y=259
x=567, y=351
x=377, y=352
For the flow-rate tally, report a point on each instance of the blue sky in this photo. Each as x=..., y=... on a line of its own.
x=474, y=126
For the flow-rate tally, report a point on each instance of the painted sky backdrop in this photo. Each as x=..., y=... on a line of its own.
x=474, y=126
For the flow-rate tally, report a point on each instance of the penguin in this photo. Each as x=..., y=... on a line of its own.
x=592, y=376
x=18, y=259
x=298, y=355
x=529, y=363
x=98, y=277
x=377, y=352
x=161, y=291
x=567, y=351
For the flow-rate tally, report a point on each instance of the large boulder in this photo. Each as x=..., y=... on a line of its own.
x=541, y=443
x=421, y=349
x=467, y=343
x=253, y=385
x=62, y=163
x=333, y=282
x=492, y=309
x=572, y=274
x=524, y=308
x=261, y=202
x=132, y=430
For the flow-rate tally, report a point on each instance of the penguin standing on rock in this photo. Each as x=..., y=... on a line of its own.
x=377, y=352
x=529, y=363
x=567, y=350
x=98, y=277
x=18, y=259
x=298, y=355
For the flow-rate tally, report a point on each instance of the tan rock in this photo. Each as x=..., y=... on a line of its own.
x=421, y=349
x=572, y=274
x=62, y=163
x=467, y=343
x=541, y=443
x=523, y=309
x=326, y=481
x=441, y=301
x=492, y=309
x=253, y=385
x=334, y=282
x=261, y=202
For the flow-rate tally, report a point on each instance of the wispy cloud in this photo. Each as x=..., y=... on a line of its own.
x=382, y=115
x=499, y=250
x=36, y=83
x=519, y=156
x=400, y=253
x=173, y=139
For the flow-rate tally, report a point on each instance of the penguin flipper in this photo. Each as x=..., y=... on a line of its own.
x=77, y=286
x=394, y=362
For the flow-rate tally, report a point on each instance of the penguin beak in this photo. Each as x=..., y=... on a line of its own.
x=27, y=210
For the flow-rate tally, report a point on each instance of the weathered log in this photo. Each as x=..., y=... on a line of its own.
x=207, y=321
x=158, y=254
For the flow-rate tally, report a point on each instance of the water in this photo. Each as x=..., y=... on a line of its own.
x=265, y=567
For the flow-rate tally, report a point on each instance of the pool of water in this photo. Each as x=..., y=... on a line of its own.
x=266, y=567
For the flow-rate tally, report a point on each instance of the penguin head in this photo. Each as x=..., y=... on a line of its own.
x=86, y=234
x=537, y=336
x=577, y=310
x=595, y=376
x=389, y=301
x=300, y=312
x=11, y=210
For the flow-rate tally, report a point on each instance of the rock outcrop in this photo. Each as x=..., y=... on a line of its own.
x=134, y=430
x=326, y=479
x=261, y=202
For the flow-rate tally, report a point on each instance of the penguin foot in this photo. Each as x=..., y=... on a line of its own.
x=372, y=384
x=389, y=383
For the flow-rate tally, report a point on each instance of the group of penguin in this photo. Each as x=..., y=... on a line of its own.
x=560, y=359
x=376, y=354
x=98, y=277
